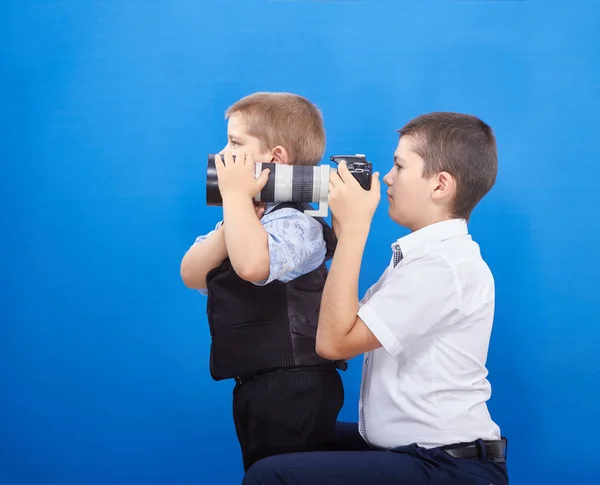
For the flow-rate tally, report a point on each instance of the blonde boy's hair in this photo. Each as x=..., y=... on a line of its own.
x=284, y=119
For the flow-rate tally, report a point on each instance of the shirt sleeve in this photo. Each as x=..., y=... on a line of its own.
x=414, y=301
x=198, y=240
x=296, y=244
x=201, y=238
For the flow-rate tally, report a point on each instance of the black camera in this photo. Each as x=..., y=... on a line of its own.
x=358, y=166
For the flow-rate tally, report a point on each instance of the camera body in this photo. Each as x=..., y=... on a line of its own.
x=358, y=166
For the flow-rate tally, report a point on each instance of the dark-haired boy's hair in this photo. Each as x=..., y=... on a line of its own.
x=462, y=145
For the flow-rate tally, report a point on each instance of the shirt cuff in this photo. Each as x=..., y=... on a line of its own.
x=382, y=333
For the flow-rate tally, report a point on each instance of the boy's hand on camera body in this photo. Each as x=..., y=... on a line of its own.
x=350, y=204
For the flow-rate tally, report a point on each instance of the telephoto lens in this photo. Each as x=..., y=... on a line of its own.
x=294, y=183
x=286, y=183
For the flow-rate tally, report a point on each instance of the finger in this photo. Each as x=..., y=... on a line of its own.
x=375, y=183
x=343, y=172
x=240, y=158
x=228, y=158
x=375, y=190
x=348, y=178
x=218, y=161
x=262, y=180
x=333, y=179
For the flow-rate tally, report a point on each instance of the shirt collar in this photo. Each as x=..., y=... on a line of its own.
x=430, y=234
x=270, y=206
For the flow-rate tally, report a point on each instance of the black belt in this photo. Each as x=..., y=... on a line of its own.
x=250, y=377
x=491, y=450
x=243, y=379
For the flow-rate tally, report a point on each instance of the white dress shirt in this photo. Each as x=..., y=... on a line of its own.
x=432, y=314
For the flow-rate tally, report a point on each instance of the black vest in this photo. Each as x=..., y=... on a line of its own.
x=260, y=328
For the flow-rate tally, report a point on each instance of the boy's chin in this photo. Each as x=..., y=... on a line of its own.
x=398, y=218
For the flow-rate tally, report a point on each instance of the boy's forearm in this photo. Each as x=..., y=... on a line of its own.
x=339, y=304
x=245, y=238
x=203, y=257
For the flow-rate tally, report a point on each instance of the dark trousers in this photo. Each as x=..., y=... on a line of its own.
x=359, y=464
x=287, y=411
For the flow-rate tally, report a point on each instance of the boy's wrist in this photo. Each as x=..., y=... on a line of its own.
x=235, y=198
x=355, y=230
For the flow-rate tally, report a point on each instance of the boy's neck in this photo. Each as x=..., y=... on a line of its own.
x=430, y=221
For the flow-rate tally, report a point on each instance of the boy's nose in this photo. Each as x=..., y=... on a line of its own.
x=387, y=179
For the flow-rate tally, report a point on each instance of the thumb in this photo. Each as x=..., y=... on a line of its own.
x=262, y=180
x=375, y=183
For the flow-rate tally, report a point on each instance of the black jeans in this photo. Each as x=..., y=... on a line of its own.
x=362, y=465
x=287, y=411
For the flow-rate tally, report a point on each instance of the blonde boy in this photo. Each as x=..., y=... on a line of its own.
x=263, y=270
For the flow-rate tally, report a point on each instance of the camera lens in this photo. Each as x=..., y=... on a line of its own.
x=293, y=183
x=286, y=183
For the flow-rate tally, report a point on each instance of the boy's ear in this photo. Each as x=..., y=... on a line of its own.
x=280, y=155
x=444, y=187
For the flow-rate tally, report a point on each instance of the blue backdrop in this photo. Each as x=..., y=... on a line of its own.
x=108, y=111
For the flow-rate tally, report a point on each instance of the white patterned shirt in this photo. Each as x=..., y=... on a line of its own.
x=296, y=244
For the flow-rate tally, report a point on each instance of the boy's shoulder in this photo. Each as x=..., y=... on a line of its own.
x=286, y=220
x=460, y=256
